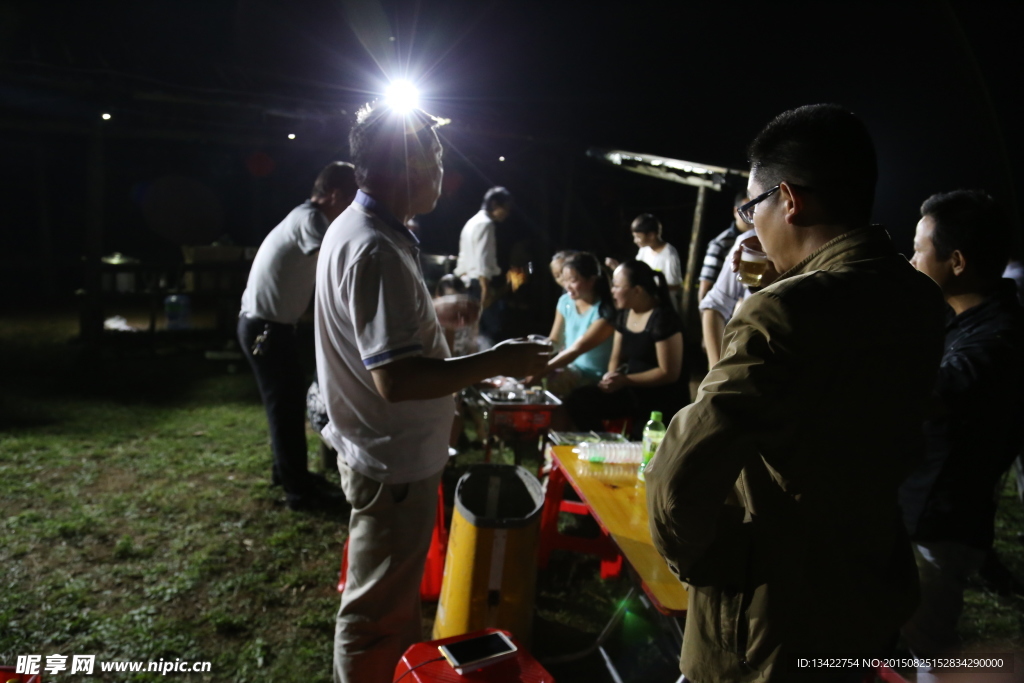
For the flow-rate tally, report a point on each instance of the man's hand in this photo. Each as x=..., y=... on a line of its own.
x=770, y=274
x=611, y=263
x=522, y=358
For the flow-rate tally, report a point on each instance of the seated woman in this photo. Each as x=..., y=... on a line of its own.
x=646, y=363
x=583, y=323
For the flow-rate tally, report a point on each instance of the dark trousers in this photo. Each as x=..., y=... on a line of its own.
x=283, y=390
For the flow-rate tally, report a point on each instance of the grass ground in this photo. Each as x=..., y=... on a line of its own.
x=137, y=524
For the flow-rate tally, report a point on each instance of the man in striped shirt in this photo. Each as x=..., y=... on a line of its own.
x=720, y=246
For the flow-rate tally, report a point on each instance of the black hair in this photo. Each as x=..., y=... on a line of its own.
x=450, y=284
x=379, y=140
x=588, y=265
x=827, y=150
x=651, y=281
x=646, y=223
x=741, y=198
x=970, y=222
x=337, y=175
x=495, y=197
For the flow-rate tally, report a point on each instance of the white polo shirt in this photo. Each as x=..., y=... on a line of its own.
x=280, y=284
x=478, y=248
x=373, y=308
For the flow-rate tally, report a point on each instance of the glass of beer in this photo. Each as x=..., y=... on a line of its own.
x=753, y=263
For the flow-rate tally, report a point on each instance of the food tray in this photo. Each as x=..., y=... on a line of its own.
x=489, y=397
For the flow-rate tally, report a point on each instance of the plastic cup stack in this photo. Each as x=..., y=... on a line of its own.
x=608, y=452
x=618, y=473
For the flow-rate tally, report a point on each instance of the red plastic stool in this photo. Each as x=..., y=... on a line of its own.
x=522, y=668
x=551, y=539
x=7, y=674
x=433, y=571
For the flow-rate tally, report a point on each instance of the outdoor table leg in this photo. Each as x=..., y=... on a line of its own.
x=549, y=516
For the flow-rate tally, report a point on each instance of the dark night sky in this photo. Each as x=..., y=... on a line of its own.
x=937, y=83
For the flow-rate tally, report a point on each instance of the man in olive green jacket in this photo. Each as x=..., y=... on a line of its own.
x=774, y=495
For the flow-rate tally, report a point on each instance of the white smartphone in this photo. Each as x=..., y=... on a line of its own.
x=475, y=653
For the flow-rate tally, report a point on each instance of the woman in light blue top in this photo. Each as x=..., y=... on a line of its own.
x=583, y=326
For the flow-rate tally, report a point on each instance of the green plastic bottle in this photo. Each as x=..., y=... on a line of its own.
x=654, y=432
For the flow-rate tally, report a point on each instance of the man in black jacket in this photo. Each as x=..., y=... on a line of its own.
x=974, y=432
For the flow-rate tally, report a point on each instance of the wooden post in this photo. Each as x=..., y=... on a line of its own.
x=693, y=262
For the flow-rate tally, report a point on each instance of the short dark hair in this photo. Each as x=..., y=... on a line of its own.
x=646, y=223
x=497, y=196
x=971, y=222
x=337, y=175
x=378, y=140
x=741, y=198
x=825, y=148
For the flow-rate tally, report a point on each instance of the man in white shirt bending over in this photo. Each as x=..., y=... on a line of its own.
x=478, y=256
x=388, y=382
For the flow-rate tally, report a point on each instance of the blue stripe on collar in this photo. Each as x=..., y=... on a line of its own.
x=374, y=207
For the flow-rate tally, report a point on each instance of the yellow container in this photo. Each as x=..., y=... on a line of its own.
x=490, y=571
